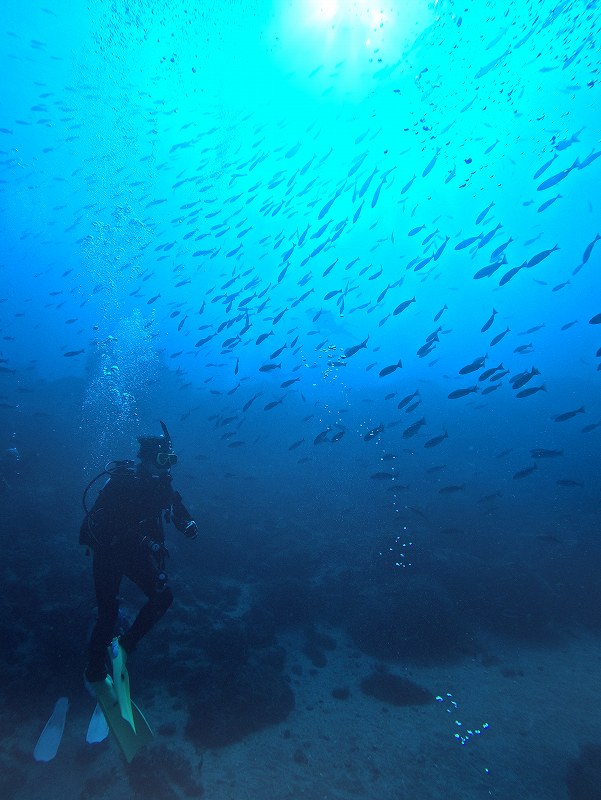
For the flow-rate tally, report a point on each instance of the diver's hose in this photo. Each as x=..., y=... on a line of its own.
x=110, y=469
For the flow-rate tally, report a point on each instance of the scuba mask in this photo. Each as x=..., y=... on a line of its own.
x=166, y=459
x=158, y=449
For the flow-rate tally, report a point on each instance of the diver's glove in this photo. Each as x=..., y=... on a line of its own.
x=191, y=530
x=182, y=518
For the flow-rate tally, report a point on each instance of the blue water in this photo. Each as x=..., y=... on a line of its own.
x=178, y=181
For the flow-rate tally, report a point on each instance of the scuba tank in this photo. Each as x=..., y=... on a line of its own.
x=113, y=468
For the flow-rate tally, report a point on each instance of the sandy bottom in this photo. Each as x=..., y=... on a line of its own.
x=533, y=708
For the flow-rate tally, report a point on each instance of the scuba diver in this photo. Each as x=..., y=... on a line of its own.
x=124, y=530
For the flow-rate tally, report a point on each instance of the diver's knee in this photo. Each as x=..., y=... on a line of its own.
x=162, y=600
x=168, y=597
x=108, y=610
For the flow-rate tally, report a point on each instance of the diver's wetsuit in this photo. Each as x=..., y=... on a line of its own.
x=125, y=531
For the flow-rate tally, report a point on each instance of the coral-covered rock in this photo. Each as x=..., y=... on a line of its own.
x=394, y=689
x=584, y=774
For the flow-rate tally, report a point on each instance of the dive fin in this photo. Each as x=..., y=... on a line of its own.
x=130, y=740
x=98, y=729
x=50, y=738
x=121, y=681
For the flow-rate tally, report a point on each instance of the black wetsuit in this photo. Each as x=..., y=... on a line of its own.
x=124, y=529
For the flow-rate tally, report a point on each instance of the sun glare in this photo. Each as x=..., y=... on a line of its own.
x=322, y=10
x=347, y=13
x=339, y=43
